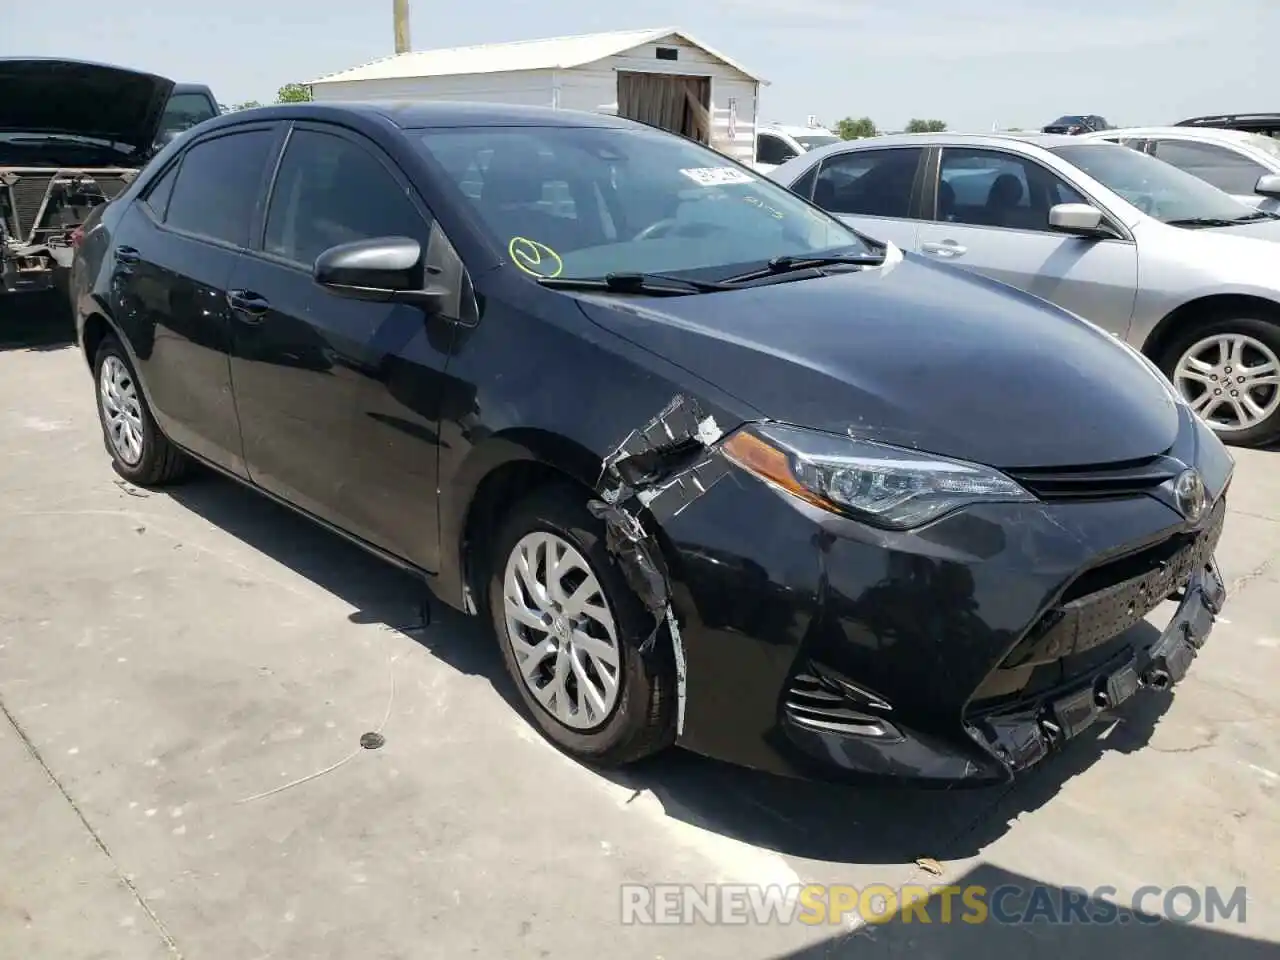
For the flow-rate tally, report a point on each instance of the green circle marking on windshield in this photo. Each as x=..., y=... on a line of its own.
x=534, y=258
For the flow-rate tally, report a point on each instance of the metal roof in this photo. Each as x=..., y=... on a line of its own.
x=554, y=53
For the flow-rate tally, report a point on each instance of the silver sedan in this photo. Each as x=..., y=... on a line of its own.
x=1182, y=271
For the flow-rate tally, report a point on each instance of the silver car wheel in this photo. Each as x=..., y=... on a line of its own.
x=121, y=410
x=561, y=631
x=1231, y=380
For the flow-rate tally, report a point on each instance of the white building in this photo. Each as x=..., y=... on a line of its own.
x=661, y=76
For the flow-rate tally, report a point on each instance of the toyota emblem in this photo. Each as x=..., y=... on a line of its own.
x=1190, y=493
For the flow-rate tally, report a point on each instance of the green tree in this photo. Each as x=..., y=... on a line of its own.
x=851, y=129
x=926, y=126
x=294, y=93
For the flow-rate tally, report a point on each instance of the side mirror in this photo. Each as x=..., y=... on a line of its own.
x=1268, y=185
x=1077, y=218
x=384, y=270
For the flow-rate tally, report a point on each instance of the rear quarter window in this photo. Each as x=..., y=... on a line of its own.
x=218, y=184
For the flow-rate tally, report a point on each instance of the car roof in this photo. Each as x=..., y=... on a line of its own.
x=1214, y=118
x=411, y=115
x=1195, y=133
x=945, y=139
x=191, y=88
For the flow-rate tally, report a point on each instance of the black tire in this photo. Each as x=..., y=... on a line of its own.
x=642, y=722
x=1257, y=327
x=160, y=461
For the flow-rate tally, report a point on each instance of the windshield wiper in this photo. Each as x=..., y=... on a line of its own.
x=654, y=284
x=1202, y=222
x=1255, y=216
x=782, y=265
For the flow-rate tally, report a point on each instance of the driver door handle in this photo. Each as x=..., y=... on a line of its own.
x=946, y=248
x=248, y=305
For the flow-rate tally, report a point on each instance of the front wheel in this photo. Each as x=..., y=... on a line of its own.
x=1229, y=373
x=570, y=628
x=140, y=453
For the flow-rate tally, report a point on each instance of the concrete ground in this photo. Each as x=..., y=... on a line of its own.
x=185, y=678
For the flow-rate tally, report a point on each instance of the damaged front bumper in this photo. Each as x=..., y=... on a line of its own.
x=811, y=645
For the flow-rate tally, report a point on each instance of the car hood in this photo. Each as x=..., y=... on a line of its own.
x=82, y=99
x=1258, y=230
x=914, y=354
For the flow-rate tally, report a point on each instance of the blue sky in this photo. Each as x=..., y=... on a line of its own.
x=1013, y=62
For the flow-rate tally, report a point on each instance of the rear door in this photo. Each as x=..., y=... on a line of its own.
x=338, y=397
x=174, y=252
x=990, y=213
x=874, y=191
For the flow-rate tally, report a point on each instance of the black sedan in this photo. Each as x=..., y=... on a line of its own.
x=721, y=471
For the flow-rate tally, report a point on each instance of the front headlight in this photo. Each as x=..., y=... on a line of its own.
x=879, y=484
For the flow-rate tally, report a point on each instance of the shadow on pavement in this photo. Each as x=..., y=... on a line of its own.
x=1026, y=918
x=35, y=321
x=837, y=824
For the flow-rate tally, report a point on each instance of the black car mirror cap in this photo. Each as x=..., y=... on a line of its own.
x=1268, y=185
x=1079, y=219
x=382, y=269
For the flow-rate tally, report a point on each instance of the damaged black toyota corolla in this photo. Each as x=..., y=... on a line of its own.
x=721, y=472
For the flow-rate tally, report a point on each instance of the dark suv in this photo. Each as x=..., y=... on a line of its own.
x=1076, y=123
x=72, y=136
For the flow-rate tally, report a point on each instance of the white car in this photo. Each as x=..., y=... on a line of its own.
x=1180, y=270
x=776, y=144
x=1245, y=165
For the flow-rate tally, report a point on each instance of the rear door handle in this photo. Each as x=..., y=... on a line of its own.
x=947, y=248
x=127, y=255
x=251, y=307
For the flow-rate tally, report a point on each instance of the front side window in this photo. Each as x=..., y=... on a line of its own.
x=185, y=110
x=597, y=200
x=869, y=183
x=1218, y=165
x=771, y=149
x=331, y=191
x=1158, y=189
x=991, y=188
x=218, y=185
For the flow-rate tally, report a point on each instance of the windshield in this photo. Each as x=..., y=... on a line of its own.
x=1153, y=186
x=578, y=202
x=816, y=140
x=185, y=110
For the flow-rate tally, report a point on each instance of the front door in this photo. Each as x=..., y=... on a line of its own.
x=320, y=381
x=992, y=217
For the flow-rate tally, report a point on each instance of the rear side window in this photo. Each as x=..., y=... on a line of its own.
x=872, y=183
x=218, y=186
x=157, y=196
x=331, y=191
x=1224, y=168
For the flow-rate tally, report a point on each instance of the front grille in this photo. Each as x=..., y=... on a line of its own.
x=819, y=705
x=28, y=194
x=1127, y=479
x=1104, y=602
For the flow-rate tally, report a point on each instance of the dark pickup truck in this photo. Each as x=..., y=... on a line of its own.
x=72, y=137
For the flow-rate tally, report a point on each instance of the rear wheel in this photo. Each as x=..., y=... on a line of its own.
x=1229, y=372
x=570, y=626
x=139, y=451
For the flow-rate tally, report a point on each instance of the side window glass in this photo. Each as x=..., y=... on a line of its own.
x=1225, y=169
x=218, y=185
x=804, y=186
x=770, y=149
x=157, y=195
x=990, y=188
x=331, y=191
x=873, y=183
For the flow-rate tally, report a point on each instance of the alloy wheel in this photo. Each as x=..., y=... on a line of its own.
x=561, y=631
x=1231, y=380
x=121, y=410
